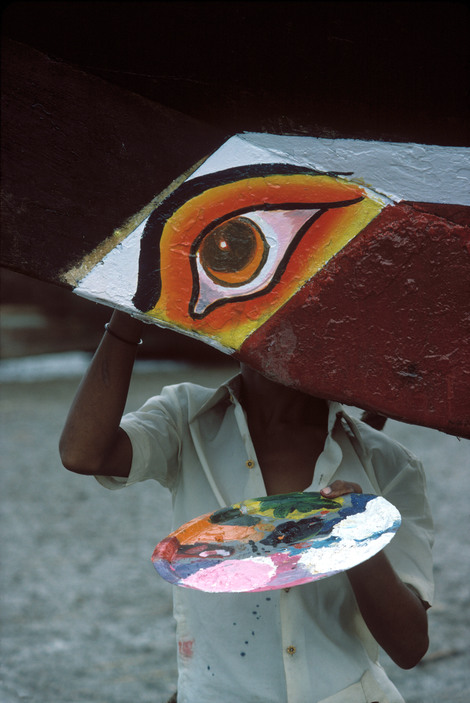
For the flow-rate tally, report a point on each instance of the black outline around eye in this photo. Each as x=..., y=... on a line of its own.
x=320, y=209
x=149, y=283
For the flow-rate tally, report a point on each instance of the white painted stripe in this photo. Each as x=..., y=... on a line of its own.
x=419, y=172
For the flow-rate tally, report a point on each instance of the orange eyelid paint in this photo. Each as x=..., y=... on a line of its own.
x=345, y=211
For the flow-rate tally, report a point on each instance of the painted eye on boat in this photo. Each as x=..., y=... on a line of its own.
x=233, y=253
x=244, y=256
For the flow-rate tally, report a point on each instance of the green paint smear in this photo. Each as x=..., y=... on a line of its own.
x=282, y=505
x=286, y=503
x=233, y=516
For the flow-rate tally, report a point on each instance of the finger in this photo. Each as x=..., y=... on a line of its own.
x=340, y=488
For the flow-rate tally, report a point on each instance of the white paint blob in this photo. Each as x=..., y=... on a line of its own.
x=358, y=538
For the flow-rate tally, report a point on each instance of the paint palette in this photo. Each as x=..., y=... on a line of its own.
x=276, y=542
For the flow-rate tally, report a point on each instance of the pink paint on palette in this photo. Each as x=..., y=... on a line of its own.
x=276, y=542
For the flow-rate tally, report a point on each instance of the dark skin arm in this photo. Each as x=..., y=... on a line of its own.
x=92, y=442
x=394, y=614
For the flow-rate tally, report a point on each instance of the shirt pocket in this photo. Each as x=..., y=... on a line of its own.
x=367, y=690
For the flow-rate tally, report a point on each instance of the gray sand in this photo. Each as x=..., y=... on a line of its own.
x=84, y=616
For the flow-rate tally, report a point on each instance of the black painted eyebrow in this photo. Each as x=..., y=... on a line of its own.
x=149, y=282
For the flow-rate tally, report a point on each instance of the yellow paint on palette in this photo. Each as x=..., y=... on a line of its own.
x=292, y=505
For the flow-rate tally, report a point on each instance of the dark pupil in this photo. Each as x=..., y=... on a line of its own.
x=230, y=246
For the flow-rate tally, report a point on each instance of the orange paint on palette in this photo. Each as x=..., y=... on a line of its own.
x=329, y=212
x=202, y=530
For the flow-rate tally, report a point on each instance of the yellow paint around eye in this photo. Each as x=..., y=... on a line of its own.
x=230, y=324
x=353, y=219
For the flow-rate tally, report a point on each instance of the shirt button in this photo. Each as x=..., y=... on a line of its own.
x=250, y=463
x=291, y=650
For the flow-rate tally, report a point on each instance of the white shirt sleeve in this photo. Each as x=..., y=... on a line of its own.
x=410, y=551
x=155, y=432
x=402, y=481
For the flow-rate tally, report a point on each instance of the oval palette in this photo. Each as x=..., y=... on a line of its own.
x=276, y=541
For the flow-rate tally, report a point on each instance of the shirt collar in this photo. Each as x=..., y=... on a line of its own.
x=227, y=391
x=335, y=410
x=351, y=427
x=230, y=391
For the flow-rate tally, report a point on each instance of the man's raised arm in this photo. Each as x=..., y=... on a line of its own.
x=92, y=442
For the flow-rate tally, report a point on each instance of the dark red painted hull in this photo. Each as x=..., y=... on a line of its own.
x=385, y=325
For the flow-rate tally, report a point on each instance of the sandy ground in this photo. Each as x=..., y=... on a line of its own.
x=84, y=616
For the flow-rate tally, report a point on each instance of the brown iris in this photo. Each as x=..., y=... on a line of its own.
x=233, y=252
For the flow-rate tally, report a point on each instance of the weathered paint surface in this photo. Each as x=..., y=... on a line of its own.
x=337, y=266
x=387, y=321
x=276, y=542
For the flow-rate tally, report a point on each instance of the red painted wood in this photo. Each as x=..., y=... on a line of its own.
x=385, y=325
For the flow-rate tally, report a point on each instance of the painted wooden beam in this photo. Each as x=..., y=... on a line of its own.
x=80, y=157
x=341, y=267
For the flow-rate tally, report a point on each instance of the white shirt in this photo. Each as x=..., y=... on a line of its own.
x=308, y=644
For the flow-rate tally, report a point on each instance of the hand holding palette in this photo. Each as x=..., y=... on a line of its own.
x=276, y=542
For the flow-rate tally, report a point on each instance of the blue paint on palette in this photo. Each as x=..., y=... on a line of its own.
x=283, y=540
